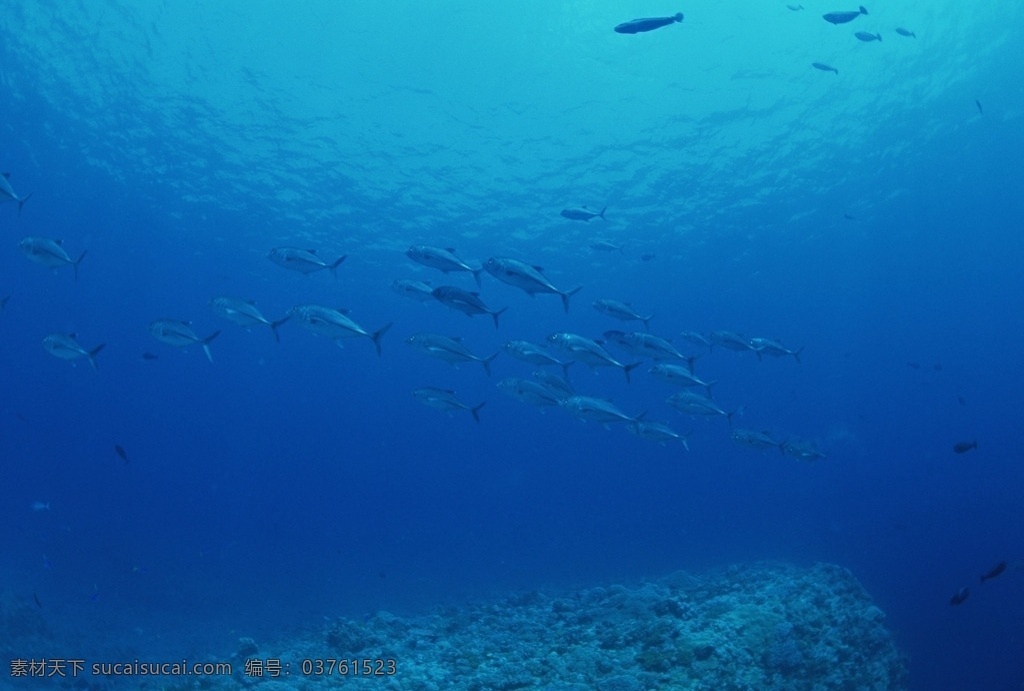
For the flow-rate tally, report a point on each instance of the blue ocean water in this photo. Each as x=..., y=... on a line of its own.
x=871, y=217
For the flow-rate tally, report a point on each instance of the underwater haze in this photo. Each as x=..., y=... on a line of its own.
x=839, y=216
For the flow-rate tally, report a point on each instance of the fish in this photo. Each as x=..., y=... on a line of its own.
x=696, y=338
x=244, y=313
x=769, y=346
x=794, y=8
x=656, y=431
x=36, y=599
x=583, y=214
x=648, y=256
x=605, y=246
x=823, y=67
x=534, y=354
x=639, y=26
x=532, y=392
x=466, y=302
x=66, y=347
x=303, y=261
x=417, y=290
x=965, y=446
x=596, y=410
x=149, y=356
x=622, y=311
x=680, y=376
x=3, y=301
x=7, y=192
x=119, y=450
x=527, y=278
x=843, y=17
x=978, y=104
x=867, y=36
x=730, y=340
x=960, y=596
x=559, y=386
x=444, y=399
x=49, y=253
x=40, y=506
x=642, y=344
x=589, y=352
x=449, y=349
x=905, y=32
x=179, y=333
x=442, y=259
x=332, y=323
x=692, y=403
x=755, y=439
x=994, y=571
x=803, y=449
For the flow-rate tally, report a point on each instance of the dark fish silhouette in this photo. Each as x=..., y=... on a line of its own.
x=3, y=301
x=149, y=356
x=965, y=446
x=994, y=571
x=843, y=17
x=905, y=32
x=960, y=596
x=38, y=603
x=638, y=26
x=978, y=103
x=823, y=67
x=119, y=450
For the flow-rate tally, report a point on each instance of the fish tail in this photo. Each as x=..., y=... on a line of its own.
x=708, y=387
x=375, y=336
x=274, y=325
x=679, y=17
x=476, y=411
x=486, y=362
x=796, y=353
x=206, y=344
x=606, y=208
x=476, y=276
x=647, y=322
x=495, y=315
x=863, y=10
x=21, y=202
x=92, y=354
x=685, y=440
x=77, y=261
x=626, y=369
x=336, y=264
x=566, y=296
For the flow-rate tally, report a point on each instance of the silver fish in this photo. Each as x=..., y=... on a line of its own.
x=582, y=214
x=528, y=278
x=66, y=347
x=332, y=323
x=680, y=376
x=534, y=354
x=442, y=259
x=417, y=290
x=655, y=347
x=180, y=334
x=466, y=302
x=730, y=340
x=49, y=253
x=596, y=410
x=303, y=261
x=867, y=36
x=843, y=17
x=694, y=404
x=803, y=449
x=444, y=399
x=449, y=349
x=768, y=346
x=558, y=386
x=245, y=313
x=7, y=192
x=656, y=431
x=622, y=311
x=588, y=351
x=532, y=392
x=755, y=439
x=696, y=338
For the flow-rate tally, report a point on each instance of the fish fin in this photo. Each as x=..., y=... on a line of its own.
x=206, y=344
x=274, y=325
x=863, y=10
x=476, y=411
x=77, y=262
x=626, y=369
x=566, y=296
x=486, y=362
x=565, y=368
x=606, y=208
x=796, y=353
x=92, y=354
x=21, y=202
x=647, y=322
x=336, y=264
x=497, y=314
x=375, y=336
x=538, y=268
x=476, y=276
x=678, y=16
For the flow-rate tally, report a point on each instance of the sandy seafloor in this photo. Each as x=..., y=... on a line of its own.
x=757, y=626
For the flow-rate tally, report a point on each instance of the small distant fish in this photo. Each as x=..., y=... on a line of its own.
x=469, y=303
x=730, y=340
x=3, y=301
x=648, y=256
x=534, y=354
x=994, y=571
x=444, y=399
x=179, y=333
x=823, y=67
x=244, y=313
x=605, y=246
x=622, y=311
x=769, y=346
x=417, y=290
x=965, y=446
x=755, y=439
x=39, y=604
x=867, y=36
x=149, y=356
x=691, y=403
x=639, y=26
x=49, y=253
x=303, y=261
x=334, y=324
x=448, y=349
x=905, y=32
x=803, y=450
x=532, y=392
x=442, y=259
x=843, y=17
x=40, y=506
x=582, y=214
x=597, y=410
x=530, y=279
x=7, y=192
x=960, y=596
x=65, y=347
x=656, y=431
x=978, y=103
x=794, y=8
x=119, y=450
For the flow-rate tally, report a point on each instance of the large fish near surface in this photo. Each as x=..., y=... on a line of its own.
x=444, y=399
x=466, y=302
x=534, y=354
x=583, y=214
x=245, y=313
x=843, y=17
x=639, y=26
x=49, y=253
x=448, y=349
x=7, y=192
x=622, y=311
x=589, y=352
x=332, y=323
x=596, y=410
x=530, y=279
x=303, y=261
x=179, y=333
x=66, y=347
x=442, y=259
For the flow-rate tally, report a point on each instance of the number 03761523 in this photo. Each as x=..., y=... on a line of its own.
x=354, y=667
